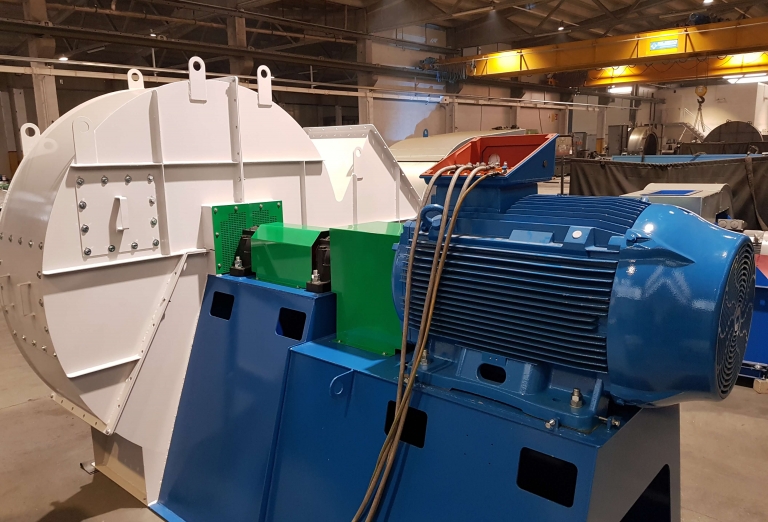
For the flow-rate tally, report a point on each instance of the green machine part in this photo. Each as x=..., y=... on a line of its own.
x=361, y=277
x=229, y=221
x=282, y=254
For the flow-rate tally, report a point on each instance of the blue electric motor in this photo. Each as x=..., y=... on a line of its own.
x=644, y=304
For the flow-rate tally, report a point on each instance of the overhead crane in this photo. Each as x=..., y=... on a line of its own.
x=682, y=53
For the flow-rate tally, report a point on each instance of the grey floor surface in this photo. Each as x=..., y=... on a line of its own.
x=724, y=454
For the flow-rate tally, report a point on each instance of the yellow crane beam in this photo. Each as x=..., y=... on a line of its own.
x=678, y=71
x=682, y=43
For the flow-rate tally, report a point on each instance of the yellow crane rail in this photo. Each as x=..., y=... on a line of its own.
x=682, y=43
x=678, y=71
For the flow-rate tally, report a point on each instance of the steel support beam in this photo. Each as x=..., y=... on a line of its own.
x=18, y=116
x=393, y=14
x=7, y=139
x=602, y=129
x=386, y=14
x=237, y=37
x=46, y=100
x=451, y=108
x=313, y=29
x=32, y=28
x=596, y=22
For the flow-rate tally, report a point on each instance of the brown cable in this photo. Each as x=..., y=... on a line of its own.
x=430, y=300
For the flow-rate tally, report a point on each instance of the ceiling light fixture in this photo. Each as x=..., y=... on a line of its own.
x=707, y=2
x=63, y=58
x=748, y=78
x=620, y=90
x=561, y=26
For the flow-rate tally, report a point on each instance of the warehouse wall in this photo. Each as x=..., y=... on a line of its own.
x=761, y=108
x=617, y=114
x=723, y=102
x=400, y=119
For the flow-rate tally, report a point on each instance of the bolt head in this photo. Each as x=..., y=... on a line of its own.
x=30, y=244
x=550, y=424
x=111, y=248
x=235, y=208
x=80, y=182
x=155, y=242
x=151, y=200
x=40, y=302
x=34, y=343
x=261, y=206
x=84, y=229
x=217, y=234
x=278, y=204
x=19, y=240
x=82, y=204
x=134, y=245
x=39, y=275
x=39, y=245
x=10, y=237
x=87, y=251
x=45, y=328
x=153, y=222
x=215, y=210
x=150, y=178
x=128, y=179
x=218, y=265
x=104, y=180
x=615, y=423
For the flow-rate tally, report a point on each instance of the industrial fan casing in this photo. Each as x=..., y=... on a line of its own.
x=105, y=246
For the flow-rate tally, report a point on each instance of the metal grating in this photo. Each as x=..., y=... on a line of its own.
x=229, y=221
x=526, y=305
x=230, y=230
x=735, y=319
x=262, y=217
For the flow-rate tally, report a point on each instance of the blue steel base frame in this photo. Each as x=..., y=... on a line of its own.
x=277, y=429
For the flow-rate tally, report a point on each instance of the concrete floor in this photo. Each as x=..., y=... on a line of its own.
x=724, y=446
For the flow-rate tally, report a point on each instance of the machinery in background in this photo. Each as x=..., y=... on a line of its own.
x=125, y=205
x=734, y=132
x=643, y=140
x=565, y=331
x=618, y=139
x=712, y=202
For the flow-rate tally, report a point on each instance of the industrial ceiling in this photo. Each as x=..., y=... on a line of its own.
x=291, y=35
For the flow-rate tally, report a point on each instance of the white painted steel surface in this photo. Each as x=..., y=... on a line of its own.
x=103, y=251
